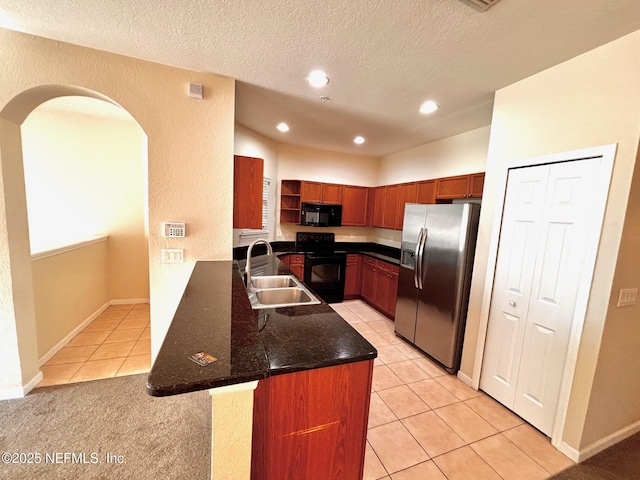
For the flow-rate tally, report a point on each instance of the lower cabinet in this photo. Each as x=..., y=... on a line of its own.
x=352, y=276
x=312, y=425
x=296, y=265
x=380, y=284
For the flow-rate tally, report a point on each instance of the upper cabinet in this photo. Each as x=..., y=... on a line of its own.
x=381, y=207
x=247, y=192
x=426, y=192
x=462, y=186
x=354, y=205
x=407, y=193
x=316, y=192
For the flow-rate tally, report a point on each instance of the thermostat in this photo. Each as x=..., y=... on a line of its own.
x=174, y=229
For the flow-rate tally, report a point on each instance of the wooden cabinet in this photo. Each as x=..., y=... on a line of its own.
x=476, y=185
x=312, y=424
x=390, y=206
x=407, y=193
x=316, y=192
x=379, y=197
x=354, y=206
x=462, y=186
x=368, y=290
x=380, y=284
x=296, y=265
x=247, y=192
x=426, y=192
x=352, y=281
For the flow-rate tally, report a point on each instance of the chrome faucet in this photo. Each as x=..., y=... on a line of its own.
x=247, y=267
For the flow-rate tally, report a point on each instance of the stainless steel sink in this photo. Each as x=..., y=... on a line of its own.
x=281, y=296
x=274, y=281
x=276, y=291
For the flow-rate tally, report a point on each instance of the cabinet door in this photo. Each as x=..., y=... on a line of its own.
x=452, y=187
x=476, y=185
x=391, y=206
x=311, y=192
x=312, y=424
x=368, y=282
x=382, y=286
x=407, y=193
x=352, y=280
x=296, y=265
x=247, y=192
x=379, y=206
x=392, y=294
x=331, y=193
x=354, y=206
x=426, y=192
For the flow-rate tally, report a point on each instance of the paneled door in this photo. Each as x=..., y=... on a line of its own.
x=546, y=219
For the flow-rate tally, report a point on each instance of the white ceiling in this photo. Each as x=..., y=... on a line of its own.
x=384, y=58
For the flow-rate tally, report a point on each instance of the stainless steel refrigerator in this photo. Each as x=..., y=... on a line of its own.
x=438, y=245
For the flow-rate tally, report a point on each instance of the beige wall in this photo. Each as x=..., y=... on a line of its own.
x=591, y=100
x=79, y=275
x=458, y=155
x=302, y=163
x=190, y=170
x=84, y=176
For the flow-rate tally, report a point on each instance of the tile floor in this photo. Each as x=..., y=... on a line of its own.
x=425, y=424
x=116, y=343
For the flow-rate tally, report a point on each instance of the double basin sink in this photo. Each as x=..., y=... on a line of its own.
x=275, y=291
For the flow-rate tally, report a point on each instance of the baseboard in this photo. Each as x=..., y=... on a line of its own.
x=466, y=379
x=20, y=391
x=128, y=301
x=604, y=443
x=45, y=358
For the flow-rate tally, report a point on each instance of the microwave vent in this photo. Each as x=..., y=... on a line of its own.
x=481, y=5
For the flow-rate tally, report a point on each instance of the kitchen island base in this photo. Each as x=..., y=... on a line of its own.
x=312, y=424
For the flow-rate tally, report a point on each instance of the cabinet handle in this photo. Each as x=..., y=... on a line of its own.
x=512, y=303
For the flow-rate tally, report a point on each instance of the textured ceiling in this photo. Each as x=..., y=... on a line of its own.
x=384, y=58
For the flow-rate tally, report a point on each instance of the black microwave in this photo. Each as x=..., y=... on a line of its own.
x=321, y=215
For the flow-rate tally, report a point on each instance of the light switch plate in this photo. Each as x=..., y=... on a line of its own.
x=172, y=255
x=628, y=296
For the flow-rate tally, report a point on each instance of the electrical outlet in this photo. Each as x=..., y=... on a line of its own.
x=628, y=296
x=172, y=255
x=279, y=232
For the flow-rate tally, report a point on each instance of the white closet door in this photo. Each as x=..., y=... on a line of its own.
x=524, y=202
x=537, y=277
x=559, y=259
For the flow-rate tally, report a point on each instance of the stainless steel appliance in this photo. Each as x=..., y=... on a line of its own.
x=324, y=267
x=438, y=245
x=321, y=215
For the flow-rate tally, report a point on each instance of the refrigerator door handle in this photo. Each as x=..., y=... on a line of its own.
x=423, y=243
x=416, y=266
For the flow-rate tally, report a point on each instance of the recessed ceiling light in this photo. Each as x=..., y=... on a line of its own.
x=317, y=79
x=359, y=140
x=429, y=107
x=283, y=127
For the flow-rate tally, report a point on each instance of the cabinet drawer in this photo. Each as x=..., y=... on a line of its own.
x=387, y=267
x=369, y=261
x=352, y=257
x=297, y=259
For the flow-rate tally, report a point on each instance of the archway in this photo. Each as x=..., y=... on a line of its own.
x=17, y=319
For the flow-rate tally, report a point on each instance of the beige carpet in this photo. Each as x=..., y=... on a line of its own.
x=619, y=462
x=75, y=430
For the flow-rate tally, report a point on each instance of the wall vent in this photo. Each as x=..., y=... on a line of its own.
x=481, y=5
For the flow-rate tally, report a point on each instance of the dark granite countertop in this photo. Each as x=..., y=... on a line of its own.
x=215, y=317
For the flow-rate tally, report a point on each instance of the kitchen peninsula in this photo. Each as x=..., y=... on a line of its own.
x=308, y=415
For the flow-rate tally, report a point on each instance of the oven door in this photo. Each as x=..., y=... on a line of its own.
x=325, y=274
